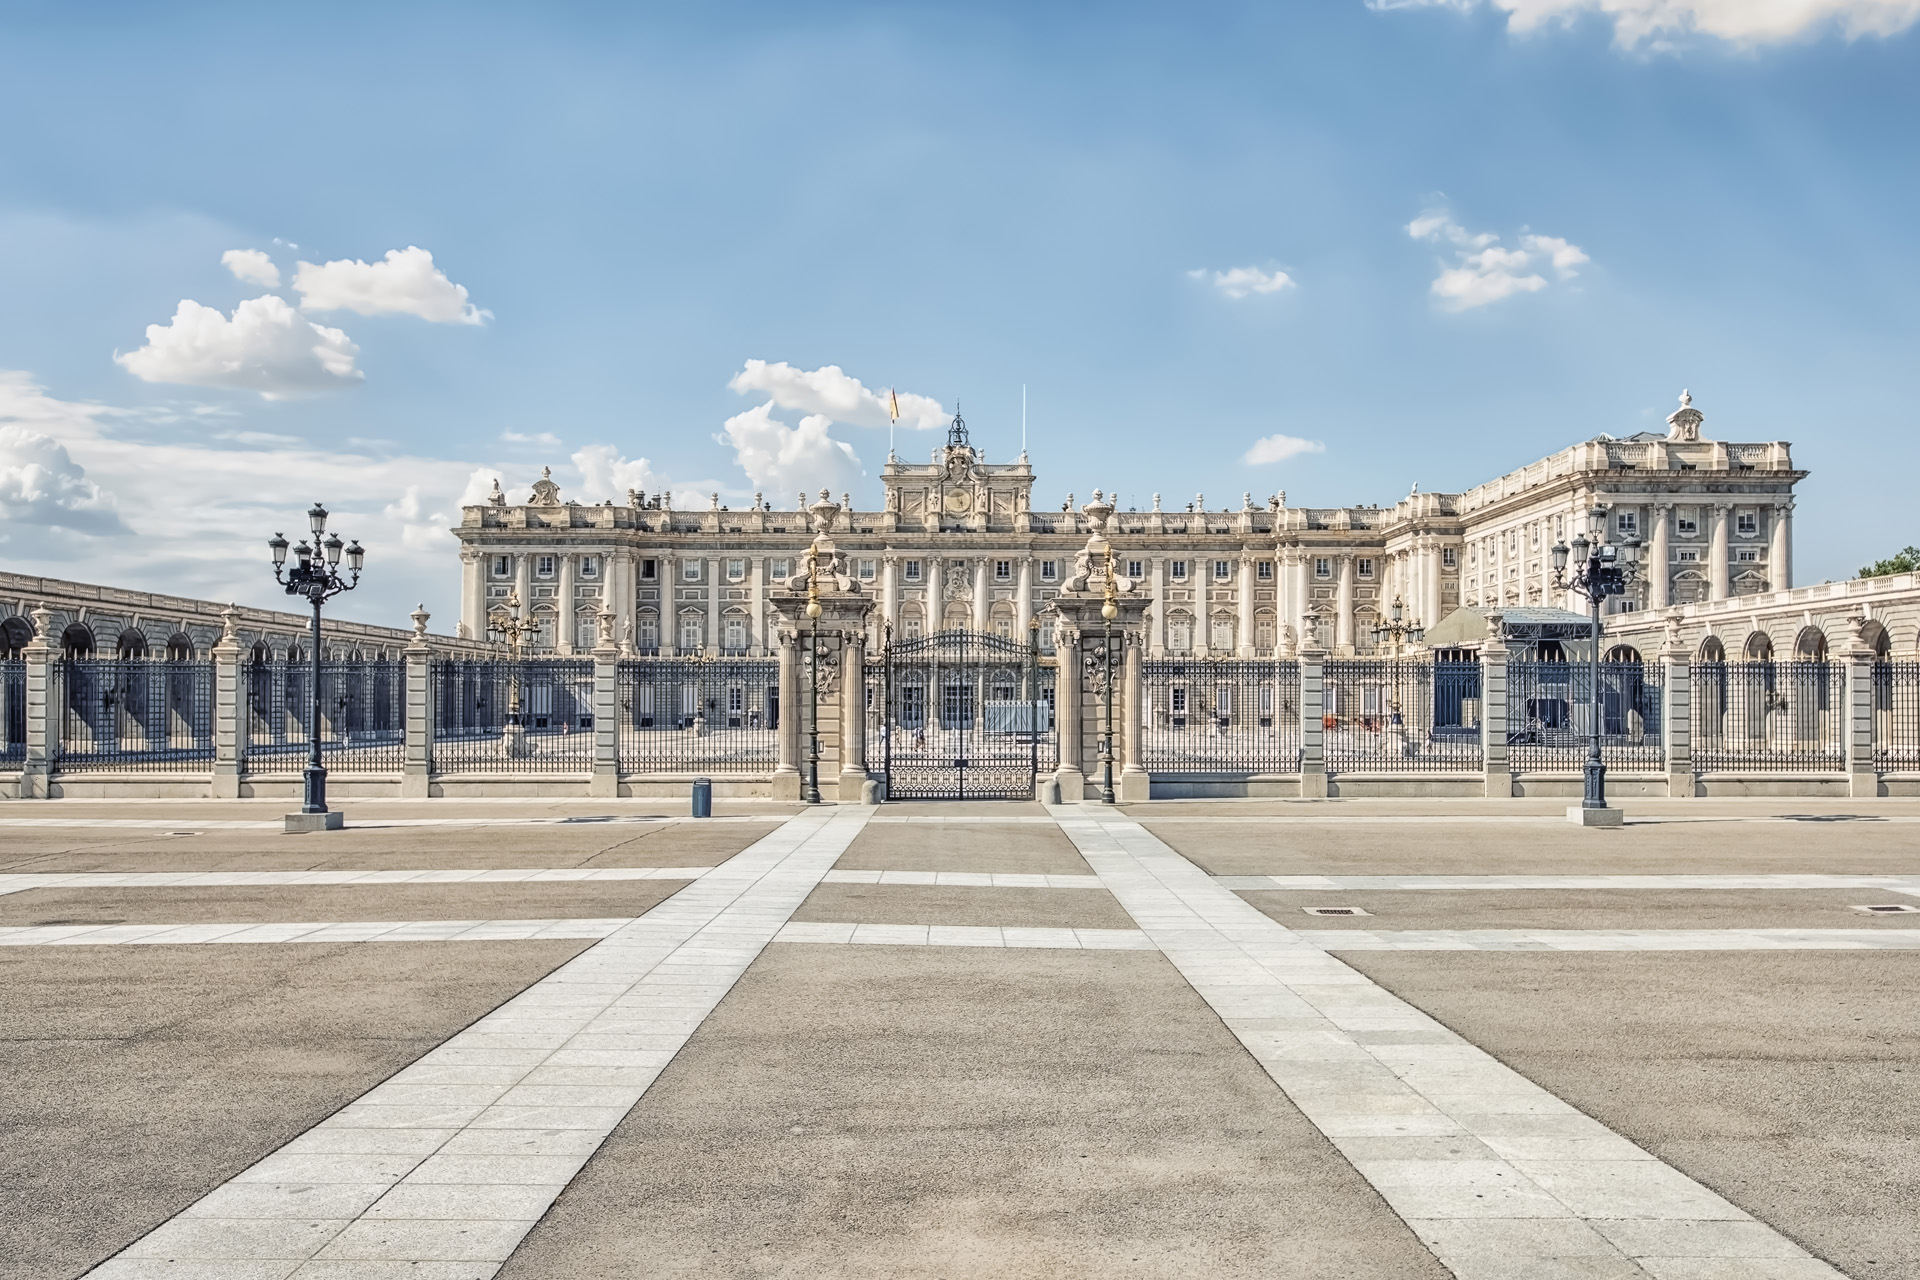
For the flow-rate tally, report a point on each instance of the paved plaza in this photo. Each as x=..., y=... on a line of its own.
x=571, y=1038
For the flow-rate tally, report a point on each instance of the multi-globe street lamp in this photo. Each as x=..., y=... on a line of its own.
x=1109, y=610
x=317, y=576
x=1398, y=631
x=1598, y=569
x=813, y=677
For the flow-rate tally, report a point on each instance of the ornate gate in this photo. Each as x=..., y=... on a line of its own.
x=963, y=715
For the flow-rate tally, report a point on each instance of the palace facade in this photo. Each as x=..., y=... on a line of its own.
x=958, y=543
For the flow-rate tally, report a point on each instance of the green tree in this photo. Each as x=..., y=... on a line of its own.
x=1906, y=561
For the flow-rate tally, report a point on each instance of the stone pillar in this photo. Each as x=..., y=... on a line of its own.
x=856, y=785
x=1780, y=554
x=712, y=647
x=1493, y=712
x=982, y=596
x=889, y=596
x=936, y=595
x=1313, y=757
x=1134, y=784
x=473, y=592
x=786, y=769
x=1158, y=637
x=1430, y=605
x=43, y=715
x=1659, y=572
x=1717, y=555
x=1068, y=679
x=757, y=603
x=1244, y=647
x=229, y=724
x=605, y=783
x=1863, y=773
x=1676, y=720
x=1023, y=598
x=523, y=583
x=1343, y=617
x=416, y=766
x=564, y=642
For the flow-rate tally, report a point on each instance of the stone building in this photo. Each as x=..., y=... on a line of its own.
x=959, y=543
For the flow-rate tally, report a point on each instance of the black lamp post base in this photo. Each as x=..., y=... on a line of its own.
x=1582, y=816
x=299, y=824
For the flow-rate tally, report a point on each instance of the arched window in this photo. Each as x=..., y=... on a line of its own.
x=1622, y=653
x=76, y=641
x=1711, y=650
x=1759, y=647
x=131, y=644
x=1810, y=645
x=15, y=635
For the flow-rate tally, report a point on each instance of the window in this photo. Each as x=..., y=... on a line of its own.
x=782, y=569
x=736, y=570
x=1448, y=559
x=1513, y=540
x=1265, y=573
x=913, y=628
x=1178, y=570
x=1136, y=569
x=1748, y=556
x=1049, y=570
x=1179, y=636
x=1533, y=536
x=1560, y=527
x=690, y=631
x=1627, y=606
x=1747, y=524
x=1222, y=634
x=503, y=566
x=913, y=571
x=1222, y=570
x=649, y=634
x=589, y=566
x=1003, y=570
x=1689, y=557
x=1366, y=566
x=1627, y=523
x=543, y=566
x=649, y=570
x=1687, y=526
x=690, y=570
x=1322, y=567
x=868, y=568
x=736, y=632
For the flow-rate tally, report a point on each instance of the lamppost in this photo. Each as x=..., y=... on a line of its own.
x=505, y=620
x=1599, y=569
x=813, y=677
x=1398, y=631
x=1109, y=610
x=316, y=576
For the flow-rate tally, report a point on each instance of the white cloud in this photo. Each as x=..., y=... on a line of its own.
x=405, y=283
x=1483, y=272
x=44, y=494
x=831, y=393
x=605, y=473
x=1278, y=448
x=1240, y=282
x=545, y=439
x=1746, y=23
x=251, y=266
x=782, y=460
x=266, y=346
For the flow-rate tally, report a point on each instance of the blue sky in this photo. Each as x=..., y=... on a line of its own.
x=953, y=200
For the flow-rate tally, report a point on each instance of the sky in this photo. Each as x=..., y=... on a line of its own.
x=252, y=256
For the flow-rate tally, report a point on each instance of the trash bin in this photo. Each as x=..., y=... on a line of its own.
x=703, y=797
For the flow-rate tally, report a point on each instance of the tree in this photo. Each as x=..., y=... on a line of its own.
x=1906, y=561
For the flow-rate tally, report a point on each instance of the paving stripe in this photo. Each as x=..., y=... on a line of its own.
x=1497, y=1176
x=968, y=879
x=1495, y=884
x=944, y=935
x=17, y=883
x=335, y=931
x=442, y=1169
x=193, y=827
x=1634, y=818
x=1613, y=939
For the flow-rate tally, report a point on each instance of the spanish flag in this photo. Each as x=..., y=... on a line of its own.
x=893, y=405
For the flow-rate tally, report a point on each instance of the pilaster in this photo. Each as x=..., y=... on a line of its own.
x=1676, y=721
x=786, y=769
x=416, y=767
x=605, y=783
x=1863, y=774
x=1313, y=757
x=1135, y=783
x=229, y=742
x=43, y=723
x=1493, y=712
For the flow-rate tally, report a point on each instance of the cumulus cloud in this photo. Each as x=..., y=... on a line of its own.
x=833, y=394
x=779, y=459
x=44, y=493
x=1278, y=448
x=251, y=266
x=404, y=283
x=1746, y=23
x=1241, y=282
x=544, y=439
x=266, y=346
x=1483, y=271
x=607, y=474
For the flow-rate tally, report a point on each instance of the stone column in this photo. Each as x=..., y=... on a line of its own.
x=1863, y=774
x=43, y=716
x=1068, y=680
x=1430, y=604
x=786, y=770
x=1780, y=554
x=564, y=642
x=1659, y=572
x=982, y=596
x=1244, y=648
x=936, y=599
x=1313, y=758
x=856, y=785
x=523, y=581
x=1493, y=712
x=473, y=592
x=714, y=579
x=229, y=728
x=1158, y=636
x=1717, y=555
x=605, y=783
x=416, y=764
x=889, y=596
x=1676, y=728
x=1343, y=619
x=1023, y=598
x=757, y=602
x=1134, y=785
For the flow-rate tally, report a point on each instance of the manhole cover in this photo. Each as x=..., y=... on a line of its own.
x=1889, y=909
x=1336, y=911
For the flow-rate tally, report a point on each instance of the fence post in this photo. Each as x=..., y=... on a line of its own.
x=786, y=769
x=856, y=785
x=1493, y=712
x=416, y=767
x=606, y=714
x=1676, y=728
x=43, y=722
x=1863, y=775
x=229, y=747
x=1313, y=758
x=1135, y=783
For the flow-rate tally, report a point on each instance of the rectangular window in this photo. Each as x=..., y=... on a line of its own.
x=543, y=567
x=1178, y=570
x=736, y=570
x=1049, y=570
x=868, y=568
x=1322, y=567
x=1265, y=572
x=690, y=632
x=1747, y=523
x=1222, y=570
x=503, y=566
x=1448, y=559
x=913, y=571
x=736, y=633
x=782, y=569
x=1687, y=526
x=1689, y=557
x=690, y=570
x=1003, y=570
x=1749, y=556
x=913, y=628
x=1366, y=566
x=1136, y=568
x=1533, y=535
x=589, y=566
x=1627, y=523
x=649, y=570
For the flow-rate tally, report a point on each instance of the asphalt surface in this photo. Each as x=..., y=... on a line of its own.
x=303, y=904
x=932, y=1112
x=1585, y=908
x=137, y=1079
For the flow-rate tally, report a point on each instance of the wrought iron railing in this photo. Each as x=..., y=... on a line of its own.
x=1231, y=716
x=1550, y=715
x=692, y=715
x=963, y=715
x=363, y=716
x=13, y=711
x=1401, y=715
x=1769, y=717
x=135, y=714
x=477, y=729
x=1896, y=716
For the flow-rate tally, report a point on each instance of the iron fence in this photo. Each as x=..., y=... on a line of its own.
x=1896, y=716
x=1230, y=716
x=13, y=710
x=1401, y=715
x=694, y=715
x=135, y=714
x=363, y=716
x=961, y=715
x=534, y=715
x=1550, y=715
x=1773, y=717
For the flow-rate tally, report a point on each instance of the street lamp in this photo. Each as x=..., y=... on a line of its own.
x=813, y=676
x=1109, y=610
x=1595, y=569
x=506, y=621
x=1398, y=631
x=316, y=576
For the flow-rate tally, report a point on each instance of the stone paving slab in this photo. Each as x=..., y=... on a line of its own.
x=1021, y=847
x=1602, y=909
x=947, y=935
x=335, y=903
x=963, y=905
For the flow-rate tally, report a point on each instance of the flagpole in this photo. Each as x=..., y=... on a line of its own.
x=1023, y=419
